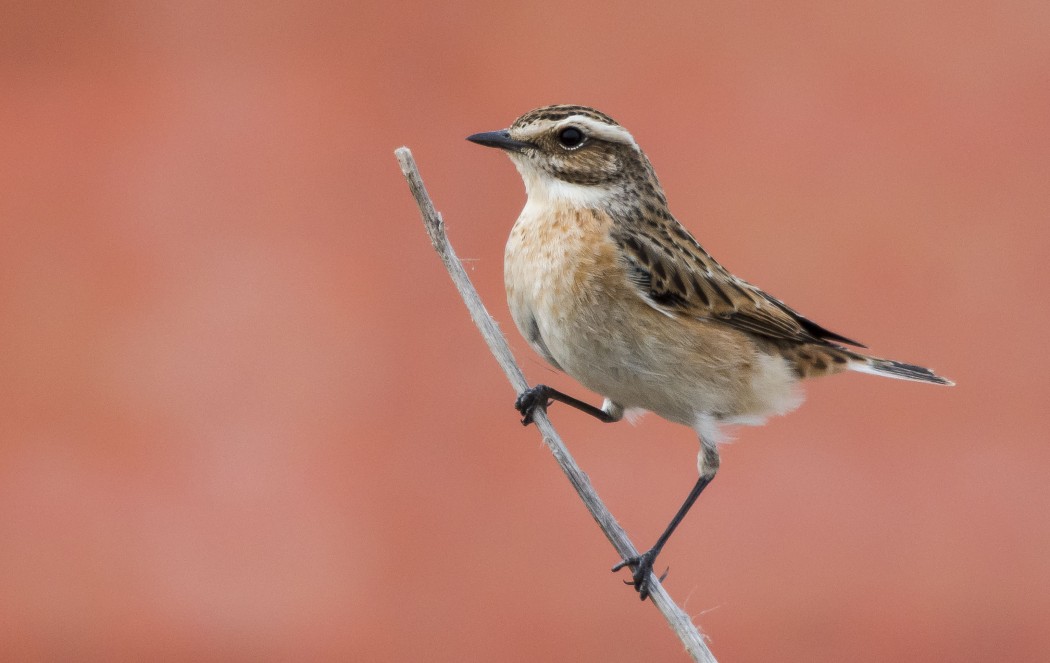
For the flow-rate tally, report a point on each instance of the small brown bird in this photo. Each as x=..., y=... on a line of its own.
x=606, y=285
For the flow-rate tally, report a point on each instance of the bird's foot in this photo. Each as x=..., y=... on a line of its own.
x=530, y=400
x=641, y=571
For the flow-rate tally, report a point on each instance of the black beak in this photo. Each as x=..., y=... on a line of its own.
x=500, y=139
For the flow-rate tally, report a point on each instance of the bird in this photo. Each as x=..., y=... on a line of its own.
x=607, y=286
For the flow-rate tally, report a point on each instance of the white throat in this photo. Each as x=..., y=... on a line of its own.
x=544, y=190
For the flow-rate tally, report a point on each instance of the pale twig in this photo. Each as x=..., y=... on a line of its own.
x=675, y=616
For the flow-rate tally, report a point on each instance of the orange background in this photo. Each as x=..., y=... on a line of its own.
x=244, y=415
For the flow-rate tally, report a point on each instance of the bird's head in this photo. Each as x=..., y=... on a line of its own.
x=573, y=154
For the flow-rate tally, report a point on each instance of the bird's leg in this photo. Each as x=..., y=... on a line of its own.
x=541, y=396
x=642, y=565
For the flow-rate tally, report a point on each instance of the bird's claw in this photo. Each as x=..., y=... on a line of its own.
x=530, y=400
x=641, y=572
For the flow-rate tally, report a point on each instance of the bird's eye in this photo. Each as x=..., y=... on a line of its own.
x=570, y=138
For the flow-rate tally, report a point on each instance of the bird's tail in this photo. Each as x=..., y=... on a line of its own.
x=896, y=369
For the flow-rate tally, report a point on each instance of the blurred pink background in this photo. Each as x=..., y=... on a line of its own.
x=245, y=416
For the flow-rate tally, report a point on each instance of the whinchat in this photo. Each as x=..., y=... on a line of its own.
x=607, y=286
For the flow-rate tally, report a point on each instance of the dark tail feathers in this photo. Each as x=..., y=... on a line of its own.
x=895, y=369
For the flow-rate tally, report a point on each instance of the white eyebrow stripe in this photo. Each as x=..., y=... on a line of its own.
x=589, y=125
x=592, y=127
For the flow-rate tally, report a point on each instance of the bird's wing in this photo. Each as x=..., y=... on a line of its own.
x=676, y=276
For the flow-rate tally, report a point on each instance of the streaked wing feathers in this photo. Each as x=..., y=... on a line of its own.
x=678, y=277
